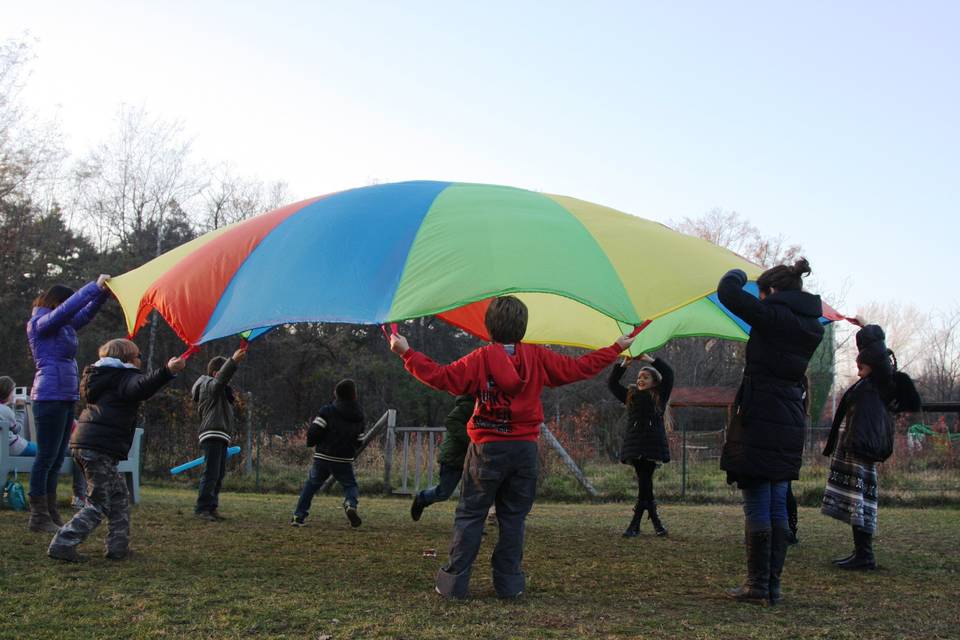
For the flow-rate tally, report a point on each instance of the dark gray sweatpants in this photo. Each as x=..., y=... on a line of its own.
x=496, y=473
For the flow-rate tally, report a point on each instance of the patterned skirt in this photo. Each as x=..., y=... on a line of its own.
x=851, y=493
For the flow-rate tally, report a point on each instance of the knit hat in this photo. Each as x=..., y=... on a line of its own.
x=872, y=348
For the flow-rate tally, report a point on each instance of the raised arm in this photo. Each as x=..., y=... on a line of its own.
x=142, y=387
x=459, y=377
x=666, y=380
x=561, y=369
x=223, y=376
x=89, y=310
x=613, y=382
x=64, y=313
x=744, y=305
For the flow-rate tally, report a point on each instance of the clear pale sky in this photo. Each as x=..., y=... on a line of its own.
x=834, y=124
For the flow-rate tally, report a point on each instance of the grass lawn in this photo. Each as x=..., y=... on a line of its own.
x=256, y=577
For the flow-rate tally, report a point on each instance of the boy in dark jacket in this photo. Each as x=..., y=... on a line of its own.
x=452, y=453
x=113, y=389
x=215, y=399
x=336, y=434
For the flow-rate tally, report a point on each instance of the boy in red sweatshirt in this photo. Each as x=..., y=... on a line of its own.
x=506, y=377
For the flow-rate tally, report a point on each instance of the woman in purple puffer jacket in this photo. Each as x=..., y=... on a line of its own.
x=52, y=333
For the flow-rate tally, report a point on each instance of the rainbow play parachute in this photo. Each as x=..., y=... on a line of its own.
x=391, y=252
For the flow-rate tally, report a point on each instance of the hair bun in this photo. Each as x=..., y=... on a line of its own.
x=801, y=268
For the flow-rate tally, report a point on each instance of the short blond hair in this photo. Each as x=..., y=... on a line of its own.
x=120, y=348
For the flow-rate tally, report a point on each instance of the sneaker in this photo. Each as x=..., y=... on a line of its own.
x=204, y=515
x=352, y=514
x=65, y=553
x=216, y=515
x=125, y=554
x=416, y=509
x=298, y=521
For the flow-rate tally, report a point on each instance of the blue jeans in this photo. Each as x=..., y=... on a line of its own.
x=449, y=479
x=53, y=419
x=321, y=470
x=765, y=505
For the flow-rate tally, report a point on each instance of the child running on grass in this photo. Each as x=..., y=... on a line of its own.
x=506, y=377
x=113, y=389
x=453, y=450
x=336, y=434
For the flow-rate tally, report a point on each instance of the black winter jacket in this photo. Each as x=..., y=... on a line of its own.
x=336, y=431
x=646, y=434
x=869, y=431
x=765, y=439
x=113, y=396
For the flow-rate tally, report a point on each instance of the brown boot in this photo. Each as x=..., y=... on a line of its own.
x=40, y=521
x=52, y=509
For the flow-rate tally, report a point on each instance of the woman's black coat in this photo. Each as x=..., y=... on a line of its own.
x=646, y=434
x=765, y=439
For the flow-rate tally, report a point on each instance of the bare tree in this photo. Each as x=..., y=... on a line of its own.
x=728, y=229
x=30, y=151
x=128, y=183
x=230, y=198
x=940, y=379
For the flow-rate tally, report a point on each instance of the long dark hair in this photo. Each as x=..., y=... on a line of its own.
x=784, y=278
x=53, y=297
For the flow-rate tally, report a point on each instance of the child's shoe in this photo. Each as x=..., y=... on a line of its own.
x=298, y=521
x=216, y=515
x=416, y=509
x=66, y=553
x=352, y=514
x=204, y=515
x=119, y=554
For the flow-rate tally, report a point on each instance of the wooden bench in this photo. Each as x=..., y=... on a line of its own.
x=23, y=464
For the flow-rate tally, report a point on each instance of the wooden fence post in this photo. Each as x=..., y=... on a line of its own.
x=567, y=460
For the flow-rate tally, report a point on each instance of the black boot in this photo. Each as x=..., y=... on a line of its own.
x=849, y=556
x=633, y=529
x=779, y=539
x=862, y=559
x=655, y=518
x=756, y=588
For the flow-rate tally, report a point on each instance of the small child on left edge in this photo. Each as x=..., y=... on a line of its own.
x=113, y=388
x=14, y=414
x=336, y=433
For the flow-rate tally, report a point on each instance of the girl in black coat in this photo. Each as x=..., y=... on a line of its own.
x=645, y=443
x=764, y=442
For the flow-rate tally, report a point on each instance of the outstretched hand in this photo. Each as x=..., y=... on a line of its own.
x=176, y=365
x=625, y=341
x=239, y=355
x=102, y=280
x=645, y=358
x=398, y=344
